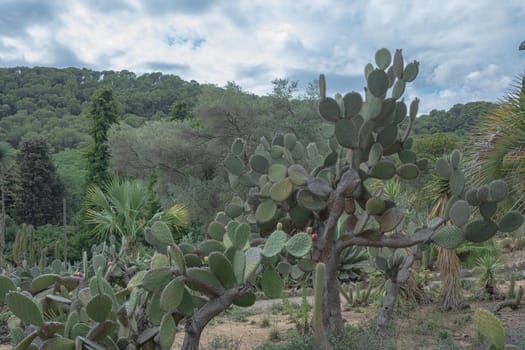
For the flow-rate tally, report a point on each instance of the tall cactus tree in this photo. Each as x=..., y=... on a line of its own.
x=302, y=189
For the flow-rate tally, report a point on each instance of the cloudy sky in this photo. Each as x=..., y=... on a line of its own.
x=467, y=49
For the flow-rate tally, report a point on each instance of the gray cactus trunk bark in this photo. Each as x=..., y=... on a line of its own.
x=332, y=317
x=195, y=325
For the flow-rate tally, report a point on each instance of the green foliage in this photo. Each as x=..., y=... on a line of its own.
x=103, y=113
x=39, y=200
x=460, y=119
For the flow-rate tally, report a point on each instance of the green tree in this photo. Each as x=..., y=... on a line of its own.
x=103, y=113
x=6, y=162
x=39, y=201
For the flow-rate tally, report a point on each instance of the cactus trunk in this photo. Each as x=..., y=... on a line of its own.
x=332, y=318
x=195, y=325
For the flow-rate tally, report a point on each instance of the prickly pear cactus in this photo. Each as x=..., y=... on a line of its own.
x=464, y=202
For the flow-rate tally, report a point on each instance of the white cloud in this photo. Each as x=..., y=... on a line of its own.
x=467, y=50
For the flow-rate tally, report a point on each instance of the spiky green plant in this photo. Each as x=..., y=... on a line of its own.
x=488, y=266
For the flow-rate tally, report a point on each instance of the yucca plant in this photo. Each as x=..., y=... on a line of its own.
x=488, y=267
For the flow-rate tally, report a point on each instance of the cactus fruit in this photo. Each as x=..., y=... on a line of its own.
x=449, y=237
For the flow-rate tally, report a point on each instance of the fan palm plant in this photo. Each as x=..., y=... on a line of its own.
x=119, y=207
x=497, y=147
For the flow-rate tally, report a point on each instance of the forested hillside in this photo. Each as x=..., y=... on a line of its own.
x=51, y=102
x=170, y=133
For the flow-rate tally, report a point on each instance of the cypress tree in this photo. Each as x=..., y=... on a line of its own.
x=39, y=200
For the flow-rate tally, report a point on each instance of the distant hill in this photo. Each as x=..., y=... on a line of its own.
x=459, y=119
x=53, y=102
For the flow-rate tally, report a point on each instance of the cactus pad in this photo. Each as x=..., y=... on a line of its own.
x=383, y=170
x=299, y=245
x=210, y=245
x=253, y=257
x=399, y=89
x=319, y=186
x=480, y=231
x=245, y=300
x=449, y=237
x=156, y=279
x=460, y=213
x=171, y=296
x=310, y=201
x=237, y=147
x=346, y=133
x=390, y=219
x=387, y=136
x=6, y=285
x=222, y=269
x=329, y=109
x=274, y=244
x=488, y=209
x=457, y=182
x=353, y=103
x=375, y=206
x=411, y=71
x=471, y=196
x=498, y=190
x=24, y=308
x=266, y=211
x=398, y=63
x=202, y=276
x=162, y=233
x=408, y=171
x=383, y=58
x=177, y=257
x=167, y=332
x=99, y=307
x=159, y=260
x=280, y=191
x=378, y=83
x=510, y=221
x=271, y=283
x=259, y=163
x=490, y=328
x=234, y=164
